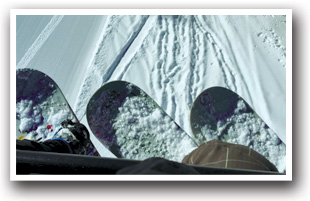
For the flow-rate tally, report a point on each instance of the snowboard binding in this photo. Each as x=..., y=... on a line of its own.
x=77, y=136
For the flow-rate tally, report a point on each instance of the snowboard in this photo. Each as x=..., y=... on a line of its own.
x=219, y=113
x=41, y=107
x=130, y=124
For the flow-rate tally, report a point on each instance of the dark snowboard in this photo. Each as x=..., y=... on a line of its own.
x=131, y=125
x=40, y=107
x=218, y=113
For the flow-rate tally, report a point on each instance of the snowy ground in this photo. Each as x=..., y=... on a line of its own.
x=172, y=58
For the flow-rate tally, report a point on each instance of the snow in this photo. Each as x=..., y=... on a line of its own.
x=30, y=115
x=31, y=119
x=172, y=58
x=143, y=131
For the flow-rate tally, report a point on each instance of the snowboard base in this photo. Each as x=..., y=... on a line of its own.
x=41, y=107
x=218, y=113
x=131, y=125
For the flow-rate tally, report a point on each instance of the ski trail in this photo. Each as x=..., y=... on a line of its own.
x=228, y=74
x=134, y=49
x=90, y=78
x=101, y=68
x=193, y=58
x=123, y=51
x=44, y=35
x=234, y=60
x=190, y=79
x=165, y=53
x=167, y=50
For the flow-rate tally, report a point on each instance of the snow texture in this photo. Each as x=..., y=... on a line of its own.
x=144, y=131
x=172, y=58
x=30, y=116
x=31, y=119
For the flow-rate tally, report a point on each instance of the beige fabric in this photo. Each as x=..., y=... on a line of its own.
x=221, y=154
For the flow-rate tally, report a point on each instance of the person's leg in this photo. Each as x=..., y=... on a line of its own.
x=71, y=138
x=221, y=154
x=56, y=145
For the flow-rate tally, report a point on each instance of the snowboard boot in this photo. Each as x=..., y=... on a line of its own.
x=77, y=137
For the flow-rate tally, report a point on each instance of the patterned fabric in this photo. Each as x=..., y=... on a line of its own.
x=216, y=153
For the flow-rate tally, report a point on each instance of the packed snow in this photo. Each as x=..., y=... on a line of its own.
x=29, y=115
x=172, y=58
x=144, y=131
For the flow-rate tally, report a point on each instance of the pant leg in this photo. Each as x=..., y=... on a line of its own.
x=57, y=145
x=221, y=154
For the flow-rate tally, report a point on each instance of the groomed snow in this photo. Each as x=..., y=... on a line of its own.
x=172, y=58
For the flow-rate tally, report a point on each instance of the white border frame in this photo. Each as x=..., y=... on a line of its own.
x=287, y=12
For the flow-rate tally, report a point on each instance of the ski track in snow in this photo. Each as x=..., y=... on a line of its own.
x=102, y=67
x=165, y=39
x=35, y=47
x=227, y=71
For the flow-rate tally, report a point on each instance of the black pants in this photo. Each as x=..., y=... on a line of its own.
x=56, y=145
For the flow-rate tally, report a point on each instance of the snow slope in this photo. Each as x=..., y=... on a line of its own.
x=172, y=58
